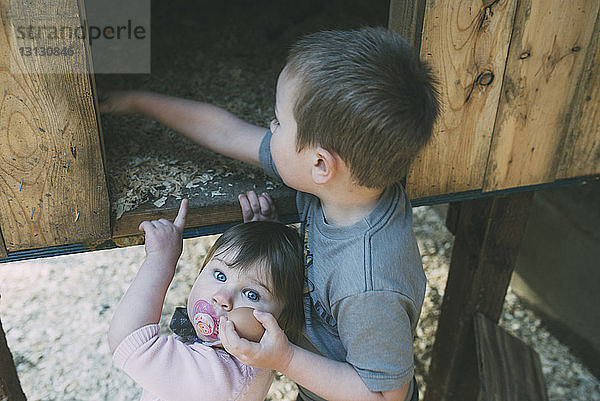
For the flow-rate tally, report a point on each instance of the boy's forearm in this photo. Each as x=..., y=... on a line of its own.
x=143, y=301
x=205, y=124
x=327, y=378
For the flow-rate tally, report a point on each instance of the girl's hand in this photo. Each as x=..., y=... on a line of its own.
x=164, y=239
x=274, y=351
x=257, y=207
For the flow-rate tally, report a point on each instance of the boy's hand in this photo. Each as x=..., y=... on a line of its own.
x=257, y=207
x=117, y=102
x=163, y=238
x=274, y=351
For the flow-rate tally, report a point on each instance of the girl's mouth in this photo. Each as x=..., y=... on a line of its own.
x=205, y=321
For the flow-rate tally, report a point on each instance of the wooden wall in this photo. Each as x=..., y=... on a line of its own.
x=520, y=84
x=520, y=87
x=52, y=182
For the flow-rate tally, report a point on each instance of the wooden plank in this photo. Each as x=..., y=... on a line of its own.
x=467, y=44
x=406, y=18
x=488, y=235
x=53, y=188
x=581, y=155
x=544, y=67
x=199, y=215
x=128, y=224
x=509, y=369
x=10, y=387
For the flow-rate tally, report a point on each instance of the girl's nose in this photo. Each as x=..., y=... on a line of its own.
x=224, y=299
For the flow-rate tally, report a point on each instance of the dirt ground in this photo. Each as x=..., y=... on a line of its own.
x=56, y=311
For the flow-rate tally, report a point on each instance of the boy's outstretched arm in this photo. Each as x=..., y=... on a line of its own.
x=327, y=378
x=205, y=124
x=143, y=301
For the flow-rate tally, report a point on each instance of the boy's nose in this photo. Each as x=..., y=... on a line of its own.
x=224, y=299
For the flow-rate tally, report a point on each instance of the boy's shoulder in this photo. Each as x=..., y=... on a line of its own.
x=392, y=211
x=379, y=253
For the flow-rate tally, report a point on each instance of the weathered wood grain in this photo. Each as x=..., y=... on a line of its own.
x=406, y=18
x=544, y=67
x=52, y=185
x=467, y=44
x=509, y=369
x=581, y=147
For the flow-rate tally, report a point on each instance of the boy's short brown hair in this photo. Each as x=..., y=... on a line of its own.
x=365, y=95
x=277, y=249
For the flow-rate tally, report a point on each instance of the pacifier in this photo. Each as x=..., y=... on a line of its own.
x=205, y=322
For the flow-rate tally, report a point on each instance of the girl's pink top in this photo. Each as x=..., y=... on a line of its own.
x=169, y=369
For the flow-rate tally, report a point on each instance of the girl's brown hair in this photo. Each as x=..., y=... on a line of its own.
x=276, y=248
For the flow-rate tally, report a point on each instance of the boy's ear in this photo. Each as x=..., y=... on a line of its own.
x=325, y=165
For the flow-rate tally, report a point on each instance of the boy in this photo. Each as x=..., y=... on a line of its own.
x=352, y=110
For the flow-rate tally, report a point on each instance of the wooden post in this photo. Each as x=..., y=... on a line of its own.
x=53, y=188
x=10, y=387
x=488, y=235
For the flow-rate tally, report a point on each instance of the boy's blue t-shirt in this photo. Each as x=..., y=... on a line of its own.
x=365, y=286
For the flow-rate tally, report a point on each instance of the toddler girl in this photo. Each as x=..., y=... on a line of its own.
x=256, y=265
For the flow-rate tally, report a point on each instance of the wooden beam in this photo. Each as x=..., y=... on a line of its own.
x=544, y=67
x=53, y=188
x=406, y=18
x=488, y=235
x=128, y=224
x=10, y=387
x=200, y=214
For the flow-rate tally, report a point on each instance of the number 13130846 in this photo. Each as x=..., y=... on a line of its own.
x=47, y=51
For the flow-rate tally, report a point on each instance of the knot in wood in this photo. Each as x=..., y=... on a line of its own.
x=525, y=55
x=488, y=3
x=485, y=78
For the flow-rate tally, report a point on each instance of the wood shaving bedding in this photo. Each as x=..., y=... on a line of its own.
x=214, y=53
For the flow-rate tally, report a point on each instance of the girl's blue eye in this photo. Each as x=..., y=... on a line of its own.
x=252, y=295
x=219, y=275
